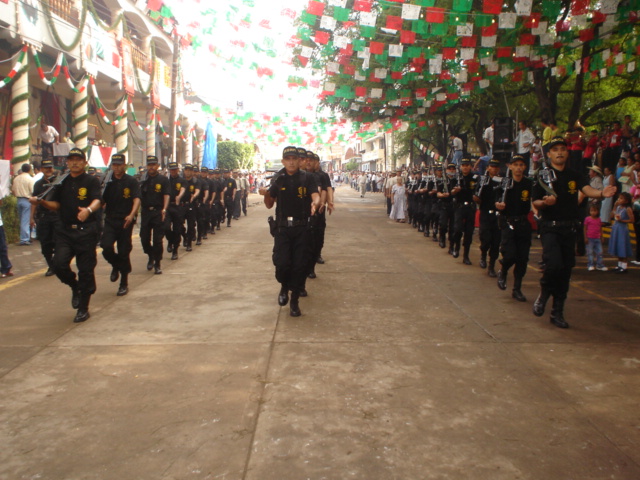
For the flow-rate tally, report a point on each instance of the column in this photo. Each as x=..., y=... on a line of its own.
x=80, y=122
x=122, y=130
x=20, y=116
x=188, y=145
x=152, y=125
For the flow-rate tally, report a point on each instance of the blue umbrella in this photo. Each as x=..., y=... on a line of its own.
x=210, y=158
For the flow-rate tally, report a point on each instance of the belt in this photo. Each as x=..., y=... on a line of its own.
x=465, y=204
x=79, y=226
x=558, y=223
x=292, y=222
x=490, y=212
x=151, y=209
x=518, y=218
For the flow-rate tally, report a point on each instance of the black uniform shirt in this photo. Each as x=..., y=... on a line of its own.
x=323, y=180
x=567, y=185
x=190, y=186
x=176, y=184
x=294, y=194
x=230, y=185
x=119, y=196
x=488, y=195
x=451, y=184
x=203, y=185
x=39, y=187
x=468, y=185
x=153, y=190
x=518, y=198
x=77, y=192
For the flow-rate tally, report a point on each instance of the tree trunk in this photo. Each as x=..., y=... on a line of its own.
x=547, y=98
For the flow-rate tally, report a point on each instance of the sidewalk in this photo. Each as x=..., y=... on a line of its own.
x=406, y=364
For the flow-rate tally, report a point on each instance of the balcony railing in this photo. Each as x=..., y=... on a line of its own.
x=140, y=59
x=66, y=10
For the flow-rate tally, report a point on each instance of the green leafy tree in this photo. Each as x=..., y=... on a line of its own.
x=235, y=155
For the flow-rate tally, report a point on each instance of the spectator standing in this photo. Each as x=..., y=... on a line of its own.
x=5, y=263
x=550, y=131
x=487, y=136
x=620, y=241
x=457, y=147
x=398, y=201
x=593, y=239
x=607, y=203
x=47, y=136
x=362, y=184
x=523, y=142
x=590, y=149
x=22, y=189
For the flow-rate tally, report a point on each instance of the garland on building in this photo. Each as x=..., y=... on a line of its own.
x=162, y=130
x=56, y=70
x=82, y=84
x=135, y=119
x=179, y=131
x=16, y=68
x=195, y=136
x=105, y=119
x=54, y=32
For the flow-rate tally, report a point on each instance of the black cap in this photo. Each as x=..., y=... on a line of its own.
x=216, y=171
x=151, y=159
x=302, y=153
x=465, y=161
x=556, y=141
x=517, y=158
x=195, y=168
x=91, y=170
x=451, y=165
x=141, y=168
x=118, y=159
x=76, y=152
x=46, y=164
x=494, y=162
x=290, y=151
x=438, y=167
x=173, y=166
x=204, y=169
x=188, y=166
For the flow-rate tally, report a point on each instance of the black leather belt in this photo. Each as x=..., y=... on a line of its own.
x=292, y=222
x=79, y=226
x=558, y=223
x=151, y=209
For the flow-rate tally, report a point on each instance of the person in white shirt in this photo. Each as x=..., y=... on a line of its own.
x=22, y=189
x=47, y=136
x=457, y=146
x=523, y=141
x=362, y=184
x=487, y=136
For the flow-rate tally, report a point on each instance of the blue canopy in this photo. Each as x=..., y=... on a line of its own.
x=210, y=159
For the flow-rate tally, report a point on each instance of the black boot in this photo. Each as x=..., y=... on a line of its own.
x=557, y=313
x=156, y=268
x=75, y=297
x=426, y=233
x=83, y=309
x=294, y=308
x=483, y=260
x=517, y=290
x=115, y=274
x=283, y=296
x=541, y=302
x=174, y=255
x=150, y=263
x=465, y=257
x=50, y=271
x=456, y=250
x=492, y=268
x=124, y=285
x=502, y=280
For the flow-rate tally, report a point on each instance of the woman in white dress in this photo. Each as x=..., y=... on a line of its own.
x=607, y=203
x=398, y=201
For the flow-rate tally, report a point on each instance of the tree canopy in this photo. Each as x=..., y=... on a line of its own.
x=234, y=155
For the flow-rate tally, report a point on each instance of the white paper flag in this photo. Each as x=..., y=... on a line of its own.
x=540, y=29
x=523, y=7
x=462, y=76
x=631, y=67
x=579, y=21
x=609, y=7
x=306, y=52
x=619, y=58
x=364, y=53
x=467, y=53
x=441, y=97
x=340, y=41
x=484, y=83
x=577, y=66
x=410, y=12
x=422, y=110
x=359, y=77
x=328, y=23
x=465, y=30
x=489, y=41
x=333, y=67
x=376, y=93
x=546, y=39
x=507, y=20
x=603, y=72
x=395, y=50
x=380, y=73
x=523, y=51
x=329, y=87
x=338, y=3
x=368, y=19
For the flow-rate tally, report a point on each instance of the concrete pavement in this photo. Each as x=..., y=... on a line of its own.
x=406, y=364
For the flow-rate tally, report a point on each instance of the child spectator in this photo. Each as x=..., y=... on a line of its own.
x=620, y=241
x=593, y=239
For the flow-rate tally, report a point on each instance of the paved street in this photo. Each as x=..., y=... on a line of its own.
x=406, y=364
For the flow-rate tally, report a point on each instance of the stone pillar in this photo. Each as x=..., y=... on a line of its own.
x=152, y=124
x=80, y=120
x=122, y=130
x=20, y=115
x=200, y=143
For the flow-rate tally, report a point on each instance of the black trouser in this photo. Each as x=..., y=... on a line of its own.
x=114, y=234
x=80, y=243
x=291, y=256
x=558, y=255
x=388, y=206
x=427, y=208
x=464, y=224
x=411, y=205
x=317, y=234
x=46, y=227
x=229, y=206
x=490, y=234
x=173, y=224
x=220, y=209
x=191, y=217
x=435, y=215
x=203, y=220
x=214, y=219
x=99, y=214
x=151, y=227
x=446, y=220
x=243, y=199
x=418, y=211
x=515, y=246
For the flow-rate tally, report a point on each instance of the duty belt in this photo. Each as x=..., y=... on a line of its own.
x=465, y=204
x=292, y=222
x=78, y=226
x=558, y=223
x=151, y=209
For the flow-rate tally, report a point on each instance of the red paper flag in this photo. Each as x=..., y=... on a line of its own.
x=532, y=21
x=469, y=42
x=598, y=17
x=435, y=15
x=394, y=23
x=587, y=34
x=321, y=37
x=315, y=8
x=408, y=37
x=517, y=76
x=490, y=31
x=527, y=39
x=376, y=48
x=503, y=52
x=448, y=53
x=361, y=91
x=396, y=75
x=349, y=69
x=492, y=7
x=579, y=7
x=153, y=5
x=362, y=5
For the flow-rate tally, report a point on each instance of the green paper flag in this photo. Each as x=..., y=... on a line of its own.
x=462, y=5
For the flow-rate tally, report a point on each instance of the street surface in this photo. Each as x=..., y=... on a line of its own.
x=406, y=364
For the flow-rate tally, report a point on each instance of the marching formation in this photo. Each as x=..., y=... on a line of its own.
x=443, y=206
x=76, y=212
x=302, y=194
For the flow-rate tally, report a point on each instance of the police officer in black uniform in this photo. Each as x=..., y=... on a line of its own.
x=174, y=222
x=202, y=210
x=515, y=226
x=218, y=207
x=435, y=205
x=465, y=210
x=213, y=193
x=192, y=190
x=490, y=232
x=558, y=206
x=46, y=221
x=296, y=196
x=154, y=197
x=230, y=190
x=121, y=203
x=445, y=205
x=326, y=204
x=77, y=199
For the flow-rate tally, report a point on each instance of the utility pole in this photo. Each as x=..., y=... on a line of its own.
x=175, y=73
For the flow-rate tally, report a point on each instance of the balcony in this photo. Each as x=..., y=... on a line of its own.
x=373, y=155
x=66, y=10
x=140, y=59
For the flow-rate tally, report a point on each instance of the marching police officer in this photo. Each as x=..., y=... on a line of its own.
x=121, y=203
x=189, y=200
x=326, y=204
x=77, y=199
x=489, y=230
x=154, y=198
x=557, y=203
x=230, y=190
x=46, y=221
x=435, y=204
x=514, y=204
x=218, y=205
x=445, y=204
x=295, y=194
x=465, y=210
x=202, y=211
x=175, y=213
